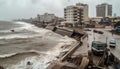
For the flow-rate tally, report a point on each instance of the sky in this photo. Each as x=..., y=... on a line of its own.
x=17, y=9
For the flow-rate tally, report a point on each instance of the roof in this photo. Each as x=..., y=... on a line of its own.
x=99, y=42
x=113, y=40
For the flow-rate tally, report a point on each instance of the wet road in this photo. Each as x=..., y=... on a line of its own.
x=106, y=37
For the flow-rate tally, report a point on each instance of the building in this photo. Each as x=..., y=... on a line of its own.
x=96, y=19
x=104, y=10
x=76, y=14
x=46, y=17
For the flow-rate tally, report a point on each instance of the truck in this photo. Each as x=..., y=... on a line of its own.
x=98, y=47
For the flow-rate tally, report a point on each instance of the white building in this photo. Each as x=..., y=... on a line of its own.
x=76, y=14
x=46, y=17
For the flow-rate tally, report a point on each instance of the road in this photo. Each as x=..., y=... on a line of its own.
x=106, y=37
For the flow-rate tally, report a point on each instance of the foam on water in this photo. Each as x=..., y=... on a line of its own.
x=30, y=27
x=25, y=31
x=38, y=62
x=42, y=61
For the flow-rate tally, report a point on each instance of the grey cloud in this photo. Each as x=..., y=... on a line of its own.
x=13, y=9
x=34, y=1
x=2, y=2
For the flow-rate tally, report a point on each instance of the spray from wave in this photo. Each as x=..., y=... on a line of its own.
x=25, y=30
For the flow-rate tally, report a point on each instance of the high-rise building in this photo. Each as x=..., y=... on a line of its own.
x=104, y=10
x=76, y=14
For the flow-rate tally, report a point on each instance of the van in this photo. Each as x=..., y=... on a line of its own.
x=112, y=43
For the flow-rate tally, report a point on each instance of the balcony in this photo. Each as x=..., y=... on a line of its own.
x=75, y=19
x=74, y=13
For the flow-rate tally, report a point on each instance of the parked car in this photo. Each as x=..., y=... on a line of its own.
x=100, y=32
x=95, y=31
x=112, y=43
x=87, y=30
x=98, y=47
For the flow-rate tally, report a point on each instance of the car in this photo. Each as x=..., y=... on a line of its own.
x=95, y=31
x=100, y=32
x=112, y=43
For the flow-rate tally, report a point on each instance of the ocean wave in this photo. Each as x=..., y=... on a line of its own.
x=64, y=42
x=19, y=53
x=19, y=36
x=26, y=31
x=28, y=26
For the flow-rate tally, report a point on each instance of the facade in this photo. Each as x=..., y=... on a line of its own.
x=85, y=11
x=76, y=14
x=104, y=10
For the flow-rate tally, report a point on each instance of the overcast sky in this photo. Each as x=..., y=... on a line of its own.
x=14, y=9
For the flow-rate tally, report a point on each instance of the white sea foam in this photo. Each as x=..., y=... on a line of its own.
x=30, y=27
x=42, y=61
x=39, y=62
x=26, y=31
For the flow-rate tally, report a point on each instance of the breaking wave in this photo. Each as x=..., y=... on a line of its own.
x=19, y=53
x=28, y=52
x=26, y=30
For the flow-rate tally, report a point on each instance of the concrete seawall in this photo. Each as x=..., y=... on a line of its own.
x=60, y=63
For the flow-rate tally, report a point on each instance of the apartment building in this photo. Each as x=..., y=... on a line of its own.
x=46, y=17
x=76, y=14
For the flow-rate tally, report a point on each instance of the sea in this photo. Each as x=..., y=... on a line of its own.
x=22, y=42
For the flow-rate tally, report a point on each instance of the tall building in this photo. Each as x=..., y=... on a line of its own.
x=76, y=14
x=104, y=10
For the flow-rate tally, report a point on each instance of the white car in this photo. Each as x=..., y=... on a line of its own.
x=112, y=43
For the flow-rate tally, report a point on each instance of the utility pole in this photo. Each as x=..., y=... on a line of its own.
x=94, y=36
x=106, y=39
